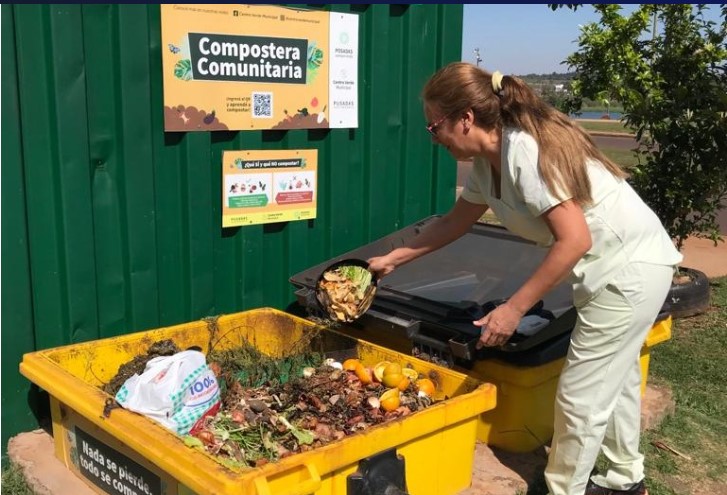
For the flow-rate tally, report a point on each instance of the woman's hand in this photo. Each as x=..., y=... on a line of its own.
x=440, y=232
x=498, y=326
x=382, y=265
x=572, y=237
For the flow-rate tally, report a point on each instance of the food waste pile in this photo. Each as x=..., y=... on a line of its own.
x=272, y=408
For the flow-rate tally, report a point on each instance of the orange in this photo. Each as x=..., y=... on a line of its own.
x=392, y=380
x=394, y=368
x=350, y=364
x=392, y=375
x=390, y=399
x=364, y=374
x=410, y=373
x=425, y=385
x=379, y=370
x=403, y=383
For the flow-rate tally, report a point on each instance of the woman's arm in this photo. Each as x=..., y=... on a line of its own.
x=441, y=232
x=572, y=237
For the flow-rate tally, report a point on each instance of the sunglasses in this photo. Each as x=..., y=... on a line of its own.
x=432, y=127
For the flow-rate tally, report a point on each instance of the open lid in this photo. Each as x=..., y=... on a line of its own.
x=487, y=264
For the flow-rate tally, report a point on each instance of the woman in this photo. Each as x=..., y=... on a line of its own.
x=546, y=181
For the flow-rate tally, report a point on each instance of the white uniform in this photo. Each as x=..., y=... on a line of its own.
x=619, y=287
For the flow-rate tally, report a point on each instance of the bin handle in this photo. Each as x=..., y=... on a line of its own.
x=302, y=488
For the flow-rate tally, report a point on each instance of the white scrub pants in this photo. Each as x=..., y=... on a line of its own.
x=598, y=402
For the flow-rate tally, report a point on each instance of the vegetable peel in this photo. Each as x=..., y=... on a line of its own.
x=346, y=292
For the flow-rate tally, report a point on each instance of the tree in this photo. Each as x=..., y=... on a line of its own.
x=673, y=87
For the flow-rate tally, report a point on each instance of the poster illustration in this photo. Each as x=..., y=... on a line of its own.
x=252, y=67
x=265, y=186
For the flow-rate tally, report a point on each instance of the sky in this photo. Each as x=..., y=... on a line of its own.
x=524, y=39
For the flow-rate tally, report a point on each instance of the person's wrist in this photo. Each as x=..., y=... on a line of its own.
x=516, y=307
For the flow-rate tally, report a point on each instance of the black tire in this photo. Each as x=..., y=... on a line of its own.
x=691, y=298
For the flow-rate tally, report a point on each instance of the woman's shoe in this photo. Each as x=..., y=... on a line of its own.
x=638, y=489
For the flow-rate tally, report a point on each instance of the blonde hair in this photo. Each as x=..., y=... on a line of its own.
x=564, y=147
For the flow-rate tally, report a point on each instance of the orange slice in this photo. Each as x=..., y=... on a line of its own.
x=379, y=370
x=426, y=386
x=390, y=399
x=350, y=364
x=410, y=373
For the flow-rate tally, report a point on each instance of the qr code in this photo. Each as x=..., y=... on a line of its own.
x=262, y=105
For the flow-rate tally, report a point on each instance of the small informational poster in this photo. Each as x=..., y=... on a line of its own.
x=343, y=88
x=266, y=186
x=253, y=67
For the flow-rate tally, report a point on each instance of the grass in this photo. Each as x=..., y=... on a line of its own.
x=602, y=108
x=692, y=364
x=626, y=158
x=605, y=126
x=13, y=481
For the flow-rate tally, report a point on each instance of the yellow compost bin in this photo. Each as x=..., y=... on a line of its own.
x=129, y=454
x=523, y=419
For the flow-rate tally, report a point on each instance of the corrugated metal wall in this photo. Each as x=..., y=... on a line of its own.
x=110, y=225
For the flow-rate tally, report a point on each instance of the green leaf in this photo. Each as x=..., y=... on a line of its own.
x=192, y=442
x=183, y=70
x=359, y=275
x=665, y=65
x=305, y=437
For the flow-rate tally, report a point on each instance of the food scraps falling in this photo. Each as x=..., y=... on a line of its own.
x=318, y=405
x=346, y=292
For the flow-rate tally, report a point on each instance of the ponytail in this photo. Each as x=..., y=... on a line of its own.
x=506, y=101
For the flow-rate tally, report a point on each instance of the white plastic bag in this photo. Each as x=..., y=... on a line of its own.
x=175, y=390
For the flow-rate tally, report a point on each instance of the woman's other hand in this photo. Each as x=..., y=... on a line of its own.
x=498, y=326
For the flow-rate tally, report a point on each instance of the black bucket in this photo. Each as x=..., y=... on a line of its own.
x=324, y=301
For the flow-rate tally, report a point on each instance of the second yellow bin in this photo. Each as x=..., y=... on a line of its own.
x=523, y=419
x=129, y=454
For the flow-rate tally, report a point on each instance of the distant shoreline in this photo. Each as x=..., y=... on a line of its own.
x=597, y=115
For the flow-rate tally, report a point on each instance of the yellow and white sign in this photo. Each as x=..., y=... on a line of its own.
x=266, y=186
x=251, y=67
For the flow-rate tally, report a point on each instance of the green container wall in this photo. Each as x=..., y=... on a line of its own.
x=110, y=225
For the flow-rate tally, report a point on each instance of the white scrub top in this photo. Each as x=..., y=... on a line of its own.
x=623, y=228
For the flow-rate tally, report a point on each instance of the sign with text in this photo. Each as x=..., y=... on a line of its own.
x=247, y=67
x=112, y=471
x=266, y=186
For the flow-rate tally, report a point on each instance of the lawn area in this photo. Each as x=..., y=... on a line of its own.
x=604, y=126
x=625, y=158
x=13, y=481
x=692, y=364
